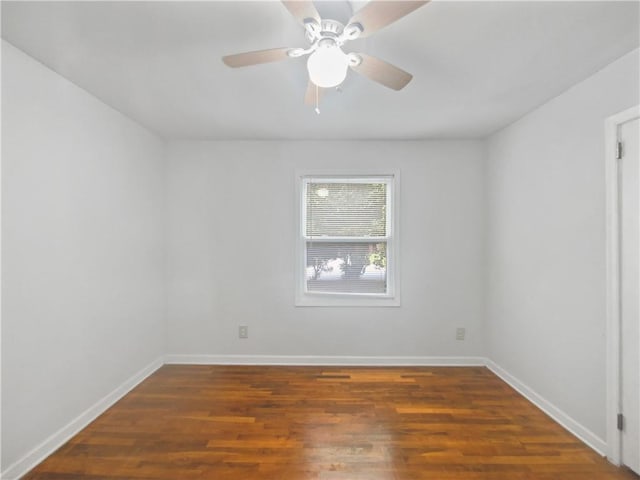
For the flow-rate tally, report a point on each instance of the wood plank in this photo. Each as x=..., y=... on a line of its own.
x=300, y=423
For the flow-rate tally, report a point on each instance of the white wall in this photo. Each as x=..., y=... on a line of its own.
x=546, y=243
x=82, y=251
x=231, y=244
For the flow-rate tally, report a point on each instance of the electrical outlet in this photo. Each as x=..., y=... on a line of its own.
x=460, y=333
x=243, y=331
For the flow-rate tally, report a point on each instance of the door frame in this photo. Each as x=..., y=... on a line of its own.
x=614, y=436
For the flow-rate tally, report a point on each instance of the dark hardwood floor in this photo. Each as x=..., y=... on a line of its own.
x=295, y=423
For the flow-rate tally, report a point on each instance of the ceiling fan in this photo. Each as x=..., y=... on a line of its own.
x=327, y=63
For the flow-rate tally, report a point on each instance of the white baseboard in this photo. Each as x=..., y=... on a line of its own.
x=323, y=360
x=583, y=433
x=55, y=441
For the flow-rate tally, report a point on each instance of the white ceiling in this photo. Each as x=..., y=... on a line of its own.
x=477, y=66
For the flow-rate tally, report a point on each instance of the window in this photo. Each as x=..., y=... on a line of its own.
x=347, y=237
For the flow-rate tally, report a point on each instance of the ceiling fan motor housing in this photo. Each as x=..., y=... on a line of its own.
x=328, y=28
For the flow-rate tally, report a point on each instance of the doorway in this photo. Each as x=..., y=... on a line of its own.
x=623, y=296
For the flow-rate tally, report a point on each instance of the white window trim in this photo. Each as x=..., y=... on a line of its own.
x=305, y=299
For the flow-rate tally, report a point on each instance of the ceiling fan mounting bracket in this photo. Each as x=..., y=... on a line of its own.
x=354, y=59
x=352, y=31
x=296, y=52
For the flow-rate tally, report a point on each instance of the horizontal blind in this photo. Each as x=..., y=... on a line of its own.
x=346, y=209
x=346, y=236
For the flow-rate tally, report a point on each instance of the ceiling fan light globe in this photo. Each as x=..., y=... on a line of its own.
x=327, y=67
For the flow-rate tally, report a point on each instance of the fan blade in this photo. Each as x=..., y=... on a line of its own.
x=254, y=58
x=382, y=72
x=313, y=94
x=302, y=9
x=378, y=14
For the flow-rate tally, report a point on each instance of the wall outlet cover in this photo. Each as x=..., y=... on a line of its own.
x=243, y=331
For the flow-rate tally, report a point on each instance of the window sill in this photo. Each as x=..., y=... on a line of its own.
x=345, y=301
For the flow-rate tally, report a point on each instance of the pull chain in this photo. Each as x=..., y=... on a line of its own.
x=317, y=101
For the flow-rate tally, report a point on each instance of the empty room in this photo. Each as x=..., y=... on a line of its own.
x=320, y=240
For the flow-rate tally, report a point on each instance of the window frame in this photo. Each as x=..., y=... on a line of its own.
x=303, y=298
